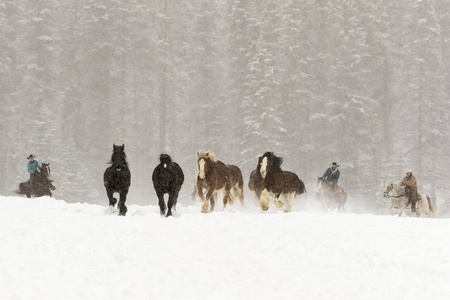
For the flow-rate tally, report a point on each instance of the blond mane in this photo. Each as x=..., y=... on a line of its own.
x=207, y=154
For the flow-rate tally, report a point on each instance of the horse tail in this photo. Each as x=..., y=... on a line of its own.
x=432, y=212
x=301, y=188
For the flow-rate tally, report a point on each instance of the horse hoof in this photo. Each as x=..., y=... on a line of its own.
x=264, y=208
x=169, y=214
x=204, y=211
x=279, y=204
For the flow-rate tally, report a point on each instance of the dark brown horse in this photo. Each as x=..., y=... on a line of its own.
x=41, y=184
x=278, y=183
x=213, y=176
x=256, y=181
x=327, y=195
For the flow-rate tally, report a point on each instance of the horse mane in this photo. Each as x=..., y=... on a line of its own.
x=277, y=161
x=165, y=159
x=207, y=154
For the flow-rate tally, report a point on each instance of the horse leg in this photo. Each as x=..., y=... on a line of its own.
x=277, y=202
x=172, y=202
x=264, y=200
x=122, y=208
x=227, y=197
x=112, y=200
x=289, y=199
x=240, y=193
x=389, y=208
x=401, y=209
x=342, y=200
x=209, y=198
x=417, y=205
x=231, y=197
x=200, y=193
x=161, y=203
x=25, y=189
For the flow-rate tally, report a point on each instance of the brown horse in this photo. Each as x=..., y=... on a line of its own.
x=326, y=194
x=256, y=181
x=278, y=183
x=213, y=176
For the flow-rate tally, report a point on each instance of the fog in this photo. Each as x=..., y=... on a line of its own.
x=362, y=84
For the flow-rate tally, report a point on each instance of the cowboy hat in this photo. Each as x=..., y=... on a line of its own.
x=31, y=156
x=334, y=164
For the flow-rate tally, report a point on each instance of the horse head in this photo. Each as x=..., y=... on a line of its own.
x=45, y=169
x=165, y=160
x=270, y=162
x=205, y=158
x=392, y=186
x=322, y=183
x=118, y=157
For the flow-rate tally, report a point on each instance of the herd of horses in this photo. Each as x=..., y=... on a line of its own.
x=269, y=183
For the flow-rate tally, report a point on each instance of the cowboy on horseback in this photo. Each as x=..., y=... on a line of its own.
x=332, y=175
x=410, y=184
x=33, y=167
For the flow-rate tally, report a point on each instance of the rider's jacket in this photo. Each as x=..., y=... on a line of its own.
x=332, y=176
x=411, y=182
x=33, y=166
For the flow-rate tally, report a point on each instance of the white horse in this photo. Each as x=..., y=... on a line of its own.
x=393, y=190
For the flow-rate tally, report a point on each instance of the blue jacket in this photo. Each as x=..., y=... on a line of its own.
x=33, y=166
x=331, y=176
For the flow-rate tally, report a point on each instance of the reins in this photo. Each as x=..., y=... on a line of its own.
x=399, y=196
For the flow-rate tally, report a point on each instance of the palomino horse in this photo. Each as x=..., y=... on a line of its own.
x=256, y=181
x=393, y=190
x=167, y=178
x=327, y=195
x=278, y=183
x=117, y=179
x=41, y=184
x=213, y=176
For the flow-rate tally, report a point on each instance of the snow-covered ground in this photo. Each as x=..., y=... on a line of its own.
x=53, y=250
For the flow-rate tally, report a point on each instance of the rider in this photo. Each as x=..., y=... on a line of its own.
x=33, y=167
x=332, y=175
x=410, y=184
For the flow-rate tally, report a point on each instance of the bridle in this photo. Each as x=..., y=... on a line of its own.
x=390, y=188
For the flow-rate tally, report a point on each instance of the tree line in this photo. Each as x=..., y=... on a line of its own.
x=363, y=84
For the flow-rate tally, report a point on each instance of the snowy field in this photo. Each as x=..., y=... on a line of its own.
x=53, y=250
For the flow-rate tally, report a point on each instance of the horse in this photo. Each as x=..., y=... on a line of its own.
x=393, y=190
x=278, y=183
x=213, y=176
x=326, y=194
x=41, y=185
x=168, y=177
x=256, y=181
x=117, y=179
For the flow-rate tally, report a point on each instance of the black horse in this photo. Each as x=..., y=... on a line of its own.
x=40, y=185
x=167, y=178
x=117, y=179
